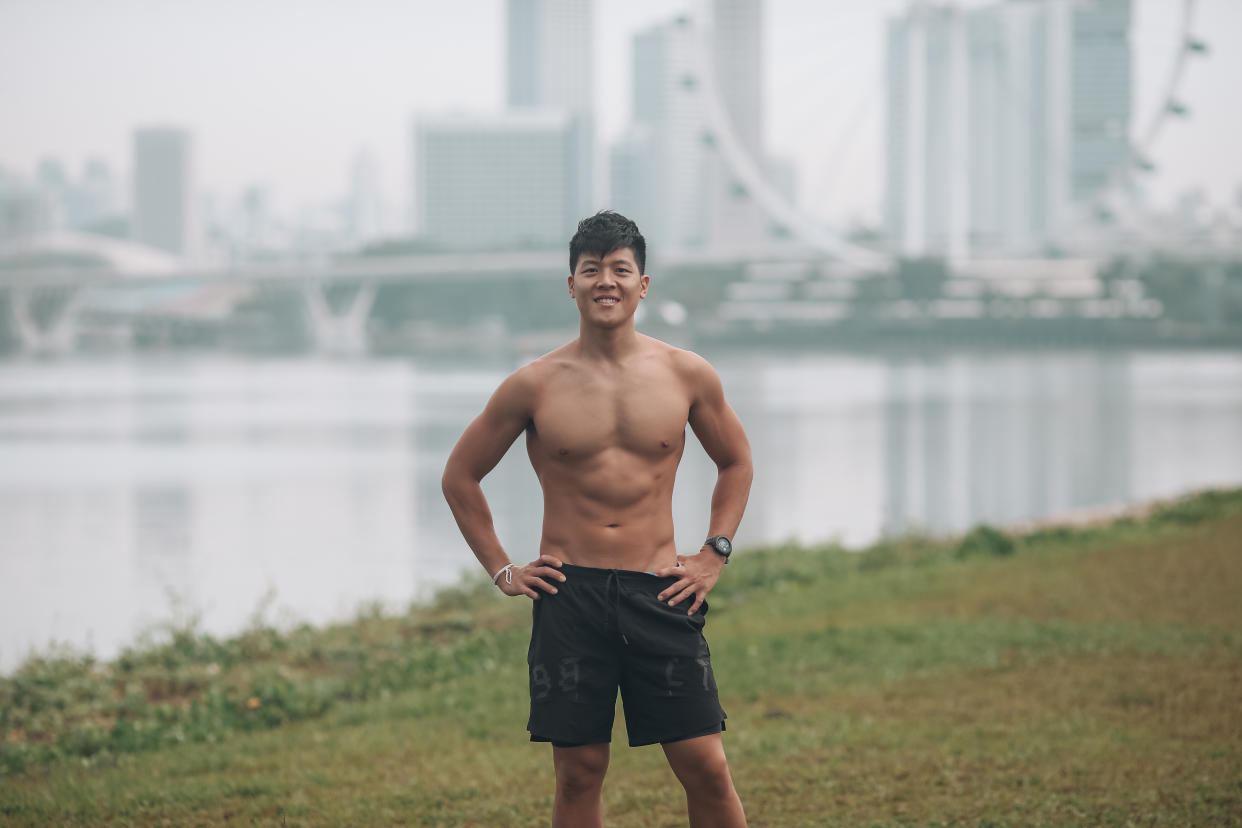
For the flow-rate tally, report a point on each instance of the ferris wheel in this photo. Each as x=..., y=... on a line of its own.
x=1114, y=202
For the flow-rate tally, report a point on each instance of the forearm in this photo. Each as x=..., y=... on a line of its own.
x=474, y=518
x=729, y=498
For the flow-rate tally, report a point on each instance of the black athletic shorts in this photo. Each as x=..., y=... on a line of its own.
x=605, y=629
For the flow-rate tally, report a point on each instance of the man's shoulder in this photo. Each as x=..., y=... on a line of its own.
x=534, y=374
x=687, y=363
x=542, y=366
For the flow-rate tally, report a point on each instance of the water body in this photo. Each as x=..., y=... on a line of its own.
x=140, y=490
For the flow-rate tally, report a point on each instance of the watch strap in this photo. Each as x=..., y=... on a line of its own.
x=712, y=543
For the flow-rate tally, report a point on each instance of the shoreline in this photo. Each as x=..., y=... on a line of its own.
x=154, y=633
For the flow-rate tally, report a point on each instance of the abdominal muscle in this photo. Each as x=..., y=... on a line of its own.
x=617, y=515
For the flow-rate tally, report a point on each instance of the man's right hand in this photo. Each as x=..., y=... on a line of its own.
x=527, y=578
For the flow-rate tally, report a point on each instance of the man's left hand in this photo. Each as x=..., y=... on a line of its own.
x=696, y=575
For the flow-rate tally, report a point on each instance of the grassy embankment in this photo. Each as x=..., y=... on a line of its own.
x=1057, y=677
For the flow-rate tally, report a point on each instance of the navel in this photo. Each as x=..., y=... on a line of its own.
x=563, y=452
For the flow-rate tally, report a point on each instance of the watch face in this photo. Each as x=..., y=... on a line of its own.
x=723, y=546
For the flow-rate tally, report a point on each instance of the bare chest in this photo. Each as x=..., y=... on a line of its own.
x=643, y=412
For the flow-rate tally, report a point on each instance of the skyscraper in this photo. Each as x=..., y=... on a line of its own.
x=925, y=198
x=737, y=59
x=685, y=194
x=1099, y=96
x=737, y=51
x=551, y=55
x=96, y=197
x=1002, y=121
x=495, y=181
x=551, y=66
x=25, y=209
x=164, y=190
x=664, y=146
x=364, y=209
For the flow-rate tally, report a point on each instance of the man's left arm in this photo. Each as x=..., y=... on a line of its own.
x=720, y=432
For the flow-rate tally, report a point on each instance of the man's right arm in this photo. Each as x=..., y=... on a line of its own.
x=479, y=449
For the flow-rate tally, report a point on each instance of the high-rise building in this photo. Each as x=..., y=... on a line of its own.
x=364, y=209
x=634, y=189
x=1002, y=121
x=54, y=186
x=1099, y=95
x=664, y=147
x=551, y=58
x=737, y=60
x=96, y=195
x=686, y=195
x=551, y=54
x=737, y=52
x=25, y=210
x=1017, y=124
x=164, y=214
x=495, y=182
x=925, y=198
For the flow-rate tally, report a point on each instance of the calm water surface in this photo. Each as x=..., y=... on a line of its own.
x=138, y=491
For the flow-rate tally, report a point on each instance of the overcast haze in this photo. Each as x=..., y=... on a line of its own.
x=283, y=93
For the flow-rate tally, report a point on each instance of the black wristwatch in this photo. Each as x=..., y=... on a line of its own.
x=720, y=545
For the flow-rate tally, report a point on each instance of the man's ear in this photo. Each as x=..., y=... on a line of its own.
x=571, y=286
x=643, y=283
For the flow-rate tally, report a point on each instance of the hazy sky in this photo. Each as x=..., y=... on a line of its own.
x=283, y=93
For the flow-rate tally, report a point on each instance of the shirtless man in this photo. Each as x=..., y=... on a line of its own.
x=614, y=604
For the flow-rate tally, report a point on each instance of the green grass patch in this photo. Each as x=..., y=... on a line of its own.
x=1062, y=676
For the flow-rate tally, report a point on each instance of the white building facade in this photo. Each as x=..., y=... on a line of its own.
x=1002, y=121
x=492, y=183
x=551, y=59
x=665, y=171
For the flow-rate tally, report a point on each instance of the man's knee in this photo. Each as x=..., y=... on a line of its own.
x=580, y=771
x=709, y=778
x=701, y=766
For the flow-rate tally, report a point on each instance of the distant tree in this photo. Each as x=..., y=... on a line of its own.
x=878, y=288
x=115, y=227
x=864, y=235
x=922, y=279
x=404, y=246
x=1232, y=305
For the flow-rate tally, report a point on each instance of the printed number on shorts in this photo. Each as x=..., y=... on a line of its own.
x=568, y=678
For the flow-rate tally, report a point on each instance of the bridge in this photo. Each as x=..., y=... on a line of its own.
x=49, y=282
x=783, y=291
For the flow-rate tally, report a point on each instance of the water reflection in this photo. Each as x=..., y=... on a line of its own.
x=1003, y=439
x=134, y=491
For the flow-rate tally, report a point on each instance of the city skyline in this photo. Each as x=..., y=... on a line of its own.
x=254, y=126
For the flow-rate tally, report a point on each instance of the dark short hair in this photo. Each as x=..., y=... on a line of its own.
x=605, y=232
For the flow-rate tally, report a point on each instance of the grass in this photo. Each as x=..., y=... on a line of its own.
x=1062, y=676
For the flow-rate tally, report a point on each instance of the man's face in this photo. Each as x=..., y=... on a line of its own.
x=607, y=289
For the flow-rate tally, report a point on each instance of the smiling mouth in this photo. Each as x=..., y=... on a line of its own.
x=606, y=300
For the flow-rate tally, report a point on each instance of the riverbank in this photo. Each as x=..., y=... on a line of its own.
x=1055, y=676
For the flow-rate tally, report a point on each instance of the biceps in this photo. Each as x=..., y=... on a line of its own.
x=483, y=443
x=720, y=431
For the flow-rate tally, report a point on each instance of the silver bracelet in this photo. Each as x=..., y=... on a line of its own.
x=507, y=571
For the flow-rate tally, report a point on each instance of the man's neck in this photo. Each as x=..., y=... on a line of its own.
x=607, y=344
